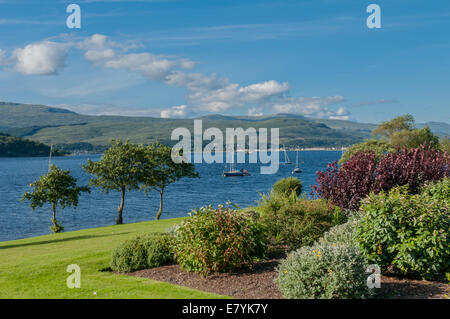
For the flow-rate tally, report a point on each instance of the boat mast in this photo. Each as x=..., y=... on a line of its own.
x=286, y=157
x=50, y=157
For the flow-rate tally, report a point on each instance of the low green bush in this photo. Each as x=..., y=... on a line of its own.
x=142, y=252
x=286, y=186
x=295, y=222
x=159, y=250
x=324, y=272
x=219, y=240
x=439, y=191
x=344, y=234
x=409, y=232
x=130, y=255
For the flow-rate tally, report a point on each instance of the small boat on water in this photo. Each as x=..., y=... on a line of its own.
x=287, y=161
x=297, y=169
x=234, y=172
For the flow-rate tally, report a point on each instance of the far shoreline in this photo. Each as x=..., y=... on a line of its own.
x=310, y=149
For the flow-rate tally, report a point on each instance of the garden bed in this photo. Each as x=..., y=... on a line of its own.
x=397, y=288
x=258, y=283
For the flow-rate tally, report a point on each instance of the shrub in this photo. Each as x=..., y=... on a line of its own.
x=379, y=147
x=286, y=186
x=346, y=186
x=409, y=232
x=323, y=271
x=363, y=173
x=219, y=240
x=439, y=191
x=344, y=234
x=130, y=255
x=295, y=222
x=159, y=250
x=411, y=167
x=142, y=252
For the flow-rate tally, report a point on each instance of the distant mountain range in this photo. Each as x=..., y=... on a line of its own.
x=72, y=131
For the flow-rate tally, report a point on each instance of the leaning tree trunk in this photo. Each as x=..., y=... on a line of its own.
x=161, y=192
x=119, y=219
x=55, y=227
x=54, y=216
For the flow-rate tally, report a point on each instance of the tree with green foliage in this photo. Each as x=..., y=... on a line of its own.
x=286, y=186
x=159, y=171
x=57, y=187
x=378, y=147
x=445, y=144
x=399, y=132
x=119, y=169
x=397, y=124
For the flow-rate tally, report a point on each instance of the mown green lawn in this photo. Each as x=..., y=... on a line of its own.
x=36, y=267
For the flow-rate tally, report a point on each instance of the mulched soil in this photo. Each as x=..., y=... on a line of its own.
x=397, y=288
x=258, y=283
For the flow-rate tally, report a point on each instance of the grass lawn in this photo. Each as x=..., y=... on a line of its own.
x=36, y=267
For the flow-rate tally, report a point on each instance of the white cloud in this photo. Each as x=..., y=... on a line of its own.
x=96, y=40
x=99, y=55
x=152, y=66
x=214, y=94
x=43, y=58
x=101, y=51
x=175, y=112
x=341, y=114
x=260, y=91
x=205, y=93
x=312, y=107
x=255, y=111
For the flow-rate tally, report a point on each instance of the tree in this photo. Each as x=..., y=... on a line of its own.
x=57, y=187
x=397, y=124
x=117, y=170
x=378, y=147
x=396, y=133
x=160, y=171
x=445, y=144
x=419, y=137
x=401, y=132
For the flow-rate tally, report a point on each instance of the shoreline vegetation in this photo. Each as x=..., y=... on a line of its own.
x=12, y=146
x=60, y=153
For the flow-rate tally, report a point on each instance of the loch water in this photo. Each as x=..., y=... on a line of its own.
x=99, y=209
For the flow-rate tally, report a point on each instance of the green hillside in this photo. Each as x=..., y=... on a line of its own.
x=71, y=131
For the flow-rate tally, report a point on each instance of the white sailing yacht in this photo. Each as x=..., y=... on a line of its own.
x=297, y=169
x=287, y=161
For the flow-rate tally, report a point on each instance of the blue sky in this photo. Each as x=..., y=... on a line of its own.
x=187, y=58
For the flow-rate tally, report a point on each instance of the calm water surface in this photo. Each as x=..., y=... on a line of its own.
x=98, y=209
